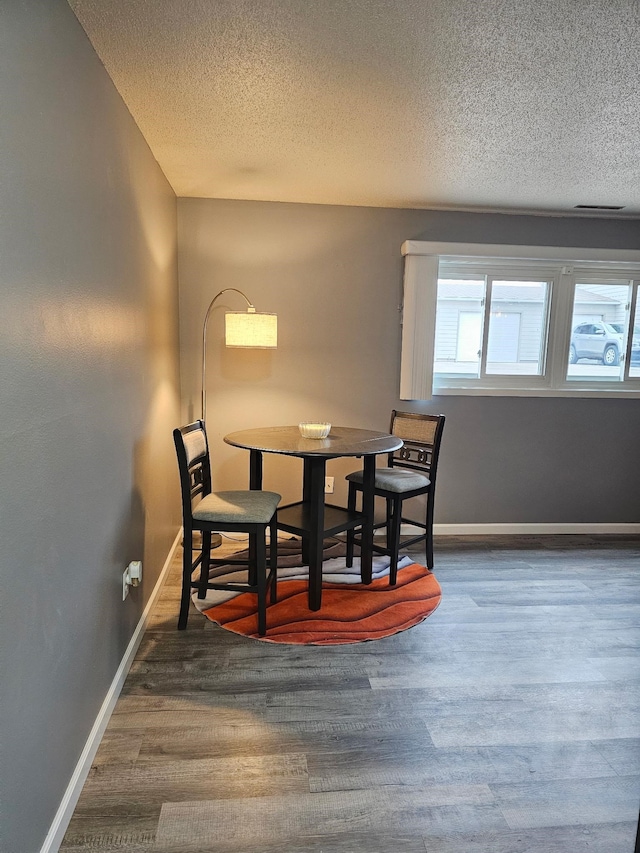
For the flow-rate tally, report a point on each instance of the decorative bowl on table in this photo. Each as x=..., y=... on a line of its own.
x=314, y=430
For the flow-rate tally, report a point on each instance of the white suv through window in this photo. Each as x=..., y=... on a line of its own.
x=596, y=340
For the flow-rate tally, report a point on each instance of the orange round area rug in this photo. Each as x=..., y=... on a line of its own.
x=350, y=613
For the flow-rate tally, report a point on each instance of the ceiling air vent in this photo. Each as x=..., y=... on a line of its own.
x=598, y=207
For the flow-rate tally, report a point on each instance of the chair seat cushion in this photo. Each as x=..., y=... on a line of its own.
x=394, y=479
x=242, y=507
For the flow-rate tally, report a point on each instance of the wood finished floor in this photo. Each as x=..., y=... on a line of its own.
x=508, y=722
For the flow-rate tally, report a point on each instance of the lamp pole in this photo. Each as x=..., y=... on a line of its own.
x=216, y=539
x=203, y=413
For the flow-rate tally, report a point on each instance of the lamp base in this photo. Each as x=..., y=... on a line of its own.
x=216, y=540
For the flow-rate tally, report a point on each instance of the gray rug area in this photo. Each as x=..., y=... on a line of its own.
x=334, y=569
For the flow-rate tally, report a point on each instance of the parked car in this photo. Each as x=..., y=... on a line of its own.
x=596, y=340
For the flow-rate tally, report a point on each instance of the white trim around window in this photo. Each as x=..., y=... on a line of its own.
x=563, y=266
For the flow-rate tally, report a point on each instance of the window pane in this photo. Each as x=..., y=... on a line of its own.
x=634, y=363
x=599, y=329
x=459, y=316
x=517, y=327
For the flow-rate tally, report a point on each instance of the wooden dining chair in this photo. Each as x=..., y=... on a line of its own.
x=411, y=472
x=248, y=511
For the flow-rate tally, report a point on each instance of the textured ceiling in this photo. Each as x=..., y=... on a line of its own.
x=508, y=104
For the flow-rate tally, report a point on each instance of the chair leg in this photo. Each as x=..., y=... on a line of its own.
x=429, y=532
x=187, y=568
x=261, y=578
x=393, y=539
x=389, y=521
x=351, y=534
x=204, y=565
x=273, y=558
x=251, y=576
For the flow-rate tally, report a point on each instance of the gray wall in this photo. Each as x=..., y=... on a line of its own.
x=334, y=276
x=89, y=390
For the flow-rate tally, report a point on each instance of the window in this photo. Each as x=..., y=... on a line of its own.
x=597, y=348
x=544, y=322
x=489, y=325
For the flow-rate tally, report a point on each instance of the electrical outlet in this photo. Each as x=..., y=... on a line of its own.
x=131, y=577
x=328, y=485
x=135, y=572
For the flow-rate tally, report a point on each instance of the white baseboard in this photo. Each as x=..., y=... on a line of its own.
x=67, y=806
x=526, y=529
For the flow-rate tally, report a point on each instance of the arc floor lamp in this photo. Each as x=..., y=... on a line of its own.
x=246, y=329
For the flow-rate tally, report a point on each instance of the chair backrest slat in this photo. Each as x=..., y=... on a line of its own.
x=195, y=444
x=421, y=435
x=194, y=465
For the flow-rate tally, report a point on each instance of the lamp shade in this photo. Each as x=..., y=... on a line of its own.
x=251, y=329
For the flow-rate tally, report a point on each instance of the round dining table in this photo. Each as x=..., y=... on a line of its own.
x=311, y=518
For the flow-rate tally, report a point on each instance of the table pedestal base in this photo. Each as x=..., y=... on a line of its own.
x=298, y=519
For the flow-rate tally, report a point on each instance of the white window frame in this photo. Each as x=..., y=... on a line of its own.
x=563, y=266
